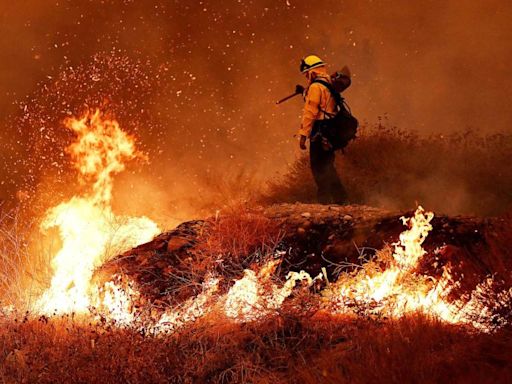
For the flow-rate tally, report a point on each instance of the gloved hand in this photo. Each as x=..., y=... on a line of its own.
x=302, y=142
x=299, y=89
x=326, y=145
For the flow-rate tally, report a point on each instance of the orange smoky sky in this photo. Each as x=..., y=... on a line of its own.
x=198, y=80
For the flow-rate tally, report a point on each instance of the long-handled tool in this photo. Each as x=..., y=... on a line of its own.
x=299, y=90
x=340, y=81
x=287, y=98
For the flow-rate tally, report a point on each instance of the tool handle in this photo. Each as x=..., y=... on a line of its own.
x=287, y=98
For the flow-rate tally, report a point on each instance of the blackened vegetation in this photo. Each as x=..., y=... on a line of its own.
x=307, y=237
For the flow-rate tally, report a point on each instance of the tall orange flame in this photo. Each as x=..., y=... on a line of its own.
x=89, y=229
x=396, y=290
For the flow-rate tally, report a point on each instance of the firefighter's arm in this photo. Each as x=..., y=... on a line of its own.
x=311, y=110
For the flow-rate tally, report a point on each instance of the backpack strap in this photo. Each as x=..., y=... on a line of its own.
x=337, y=97
x=340, y=101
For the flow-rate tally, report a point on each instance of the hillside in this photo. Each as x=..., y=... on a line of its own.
x=310, y=237
x=234, y=299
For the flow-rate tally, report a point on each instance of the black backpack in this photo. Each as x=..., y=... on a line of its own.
x=340, y=128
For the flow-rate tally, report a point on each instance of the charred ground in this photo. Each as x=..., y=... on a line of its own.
x=299, y=343
x=312, y=237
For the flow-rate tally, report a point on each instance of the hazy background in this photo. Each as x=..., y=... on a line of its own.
x=197, y=82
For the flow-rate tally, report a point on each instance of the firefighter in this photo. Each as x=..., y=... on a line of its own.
x=319, y=105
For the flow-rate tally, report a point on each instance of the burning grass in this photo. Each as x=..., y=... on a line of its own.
x=24, y=263
x=84, y=221
x=286, y=349
x=239, y=234
x=295, y=341
x=461, y=173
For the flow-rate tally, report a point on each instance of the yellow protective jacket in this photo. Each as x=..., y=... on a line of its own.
x=317, y=99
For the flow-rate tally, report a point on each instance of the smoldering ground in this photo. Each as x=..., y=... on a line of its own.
x=197, y=82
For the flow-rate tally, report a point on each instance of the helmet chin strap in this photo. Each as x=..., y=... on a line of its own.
x=310, y=76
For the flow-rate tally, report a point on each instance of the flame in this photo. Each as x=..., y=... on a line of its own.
x=255, y=296
x=394, y=291
x=190, y=311
x=115, y=302
x=409, y=250
x=397, y=290
x=89, y=229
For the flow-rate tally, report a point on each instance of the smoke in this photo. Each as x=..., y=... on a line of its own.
x=197, y=82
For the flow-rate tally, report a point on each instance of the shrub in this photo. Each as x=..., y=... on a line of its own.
x=461, y=173
x=24, y=263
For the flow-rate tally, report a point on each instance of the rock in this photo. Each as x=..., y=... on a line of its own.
x=306, y=224
x=176, y=243
x=347, y=218
x=306, y=215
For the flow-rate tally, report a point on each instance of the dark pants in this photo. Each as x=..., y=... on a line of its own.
x=330, y=188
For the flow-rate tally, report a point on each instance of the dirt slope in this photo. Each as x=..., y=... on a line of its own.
x=171, y=267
